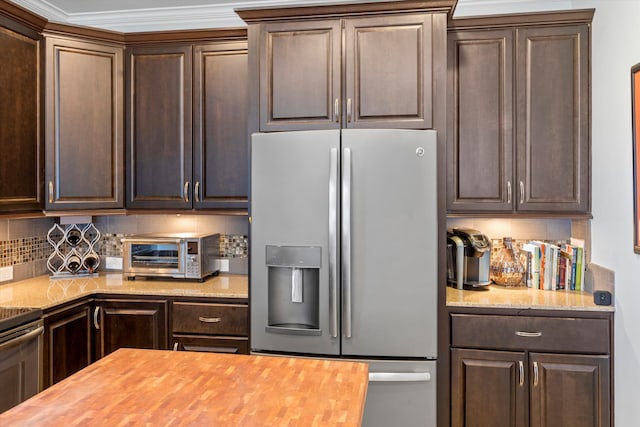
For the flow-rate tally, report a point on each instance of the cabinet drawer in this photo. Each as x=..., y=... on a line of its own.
x=232, y=345
x=211, y=319
x=568, y=335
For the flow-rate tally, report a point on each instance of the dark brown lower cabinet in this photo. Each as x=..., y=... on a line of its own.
x=538, y=371
x=487, y=388
x=67, y=344
x=570, y=390
x=519, y=389
x=219, y=327
x=130, y=323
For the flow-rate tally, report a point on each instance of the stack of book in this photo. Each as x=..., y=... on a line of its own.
x=555, y=266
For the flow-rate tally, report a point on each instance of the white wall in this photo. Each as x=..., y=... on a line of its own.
x=615, y=48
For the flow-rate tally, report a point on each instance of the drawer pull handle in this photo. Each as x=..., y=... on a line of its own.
x=528, y=334
x=210, y=319
x=521, y=372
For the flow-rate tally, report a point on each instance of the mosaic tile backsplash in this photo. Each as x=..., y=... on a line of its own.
x=19, y=251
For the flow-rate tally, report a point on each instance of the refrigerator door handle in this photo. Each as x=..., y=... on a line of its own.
x=346, y=243
x=399, y=376
x=333, y=243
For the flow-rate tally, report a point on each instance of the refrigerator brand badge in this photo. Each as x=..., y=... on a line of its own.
x=419, y=151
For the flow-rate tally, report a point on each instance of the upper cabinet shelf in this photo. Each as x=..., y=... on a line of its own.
x=518, y=132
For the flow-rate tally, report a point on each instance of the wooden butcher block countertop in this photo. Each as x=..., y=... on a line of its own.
x=161, y=388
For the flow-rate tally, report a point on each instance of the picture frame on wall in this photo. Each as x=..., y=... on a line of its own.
x=635, y=125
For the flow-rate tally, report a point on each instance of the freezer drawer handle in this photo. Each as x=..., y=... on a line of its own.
x=399, y=376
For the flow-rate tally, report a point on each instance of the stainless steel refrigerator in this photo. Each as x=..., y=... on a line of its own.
x=344, y=258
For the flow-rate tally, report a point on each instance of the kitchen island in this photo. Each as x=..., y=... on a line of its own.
x=155, y=387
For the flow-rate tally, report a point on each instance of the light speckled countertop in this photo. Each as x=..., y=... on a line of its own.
x=44, y=292
x=524, y=298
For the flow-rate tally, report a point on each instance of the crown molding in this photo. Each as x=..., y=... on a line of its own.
x=159, y=19
x=491, y=7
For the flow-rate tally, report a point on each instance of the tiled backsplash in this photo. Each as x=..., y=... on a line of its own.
x=231, y=245
x=24, y=245
x=19, y=251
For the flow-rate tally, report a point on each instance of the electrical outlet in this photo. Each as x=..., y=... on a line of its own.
x=224, y=265
x=113, y=263
x=6, y=273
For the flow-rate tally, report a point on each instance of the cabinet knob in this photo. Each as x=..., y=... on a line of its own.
x=95, y=317
x=50, y=191
x=521, y=372
x=185, y=192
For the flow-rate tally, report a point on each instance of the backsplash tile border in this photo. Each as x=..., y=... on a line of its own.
x=30, y=249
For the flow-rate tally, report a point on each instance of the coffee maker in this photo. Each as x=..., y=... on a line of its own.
x=468, y=256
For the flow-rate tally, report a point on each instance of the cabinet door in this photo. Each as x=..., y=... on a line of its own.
x=300, y=75
x=19, y=137
x=68, y=343
x=389, y=71
x=220, y=136
x=131, y=324
x=83, y=125
x=488, y=388
x=480, y=130
x=159, y=127
x=552, y=66
x=570, y=390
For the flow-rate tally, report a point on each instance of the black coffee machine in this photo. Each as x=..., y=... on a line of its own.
x=468, y=256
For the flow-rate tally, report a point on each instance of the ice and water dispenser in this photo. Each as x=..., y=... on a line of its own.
x=293, y=289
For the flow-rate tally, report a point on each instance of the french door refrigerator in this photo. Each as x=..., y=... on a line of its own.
x=344, y=258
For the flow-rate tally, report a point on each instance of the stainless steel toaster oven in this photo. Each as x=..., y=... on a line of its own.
x=191, y=256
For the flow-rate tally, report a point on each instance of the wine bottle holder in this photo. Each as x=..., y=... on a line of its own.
x=74, y=250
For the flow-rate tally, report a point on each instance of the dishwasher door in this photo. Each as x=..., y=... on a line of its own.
x=20, y=372
x=401, y=394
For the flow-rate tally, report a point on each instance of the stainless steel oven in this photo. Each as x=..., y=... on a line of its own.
x=171, y=255
x=20, y=355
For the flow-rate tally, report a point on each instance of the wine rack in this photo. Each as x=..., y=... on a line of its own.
x=74, y=250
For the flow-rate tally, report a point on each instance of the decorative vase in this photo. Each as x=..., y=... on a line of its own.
x=506, y=268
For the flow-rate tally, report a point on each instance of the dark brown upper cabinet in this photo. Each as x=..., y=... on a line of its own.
x=220, y=135
x=518, y=135
x=159, y=148
x=353, y=66
x=187, y=138
x=83, y=124
x=20, y=138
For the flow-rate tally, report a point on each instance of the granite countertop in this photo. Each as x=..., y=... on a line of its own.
x=159, y=387
x=44, y=292
x=524, y=298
